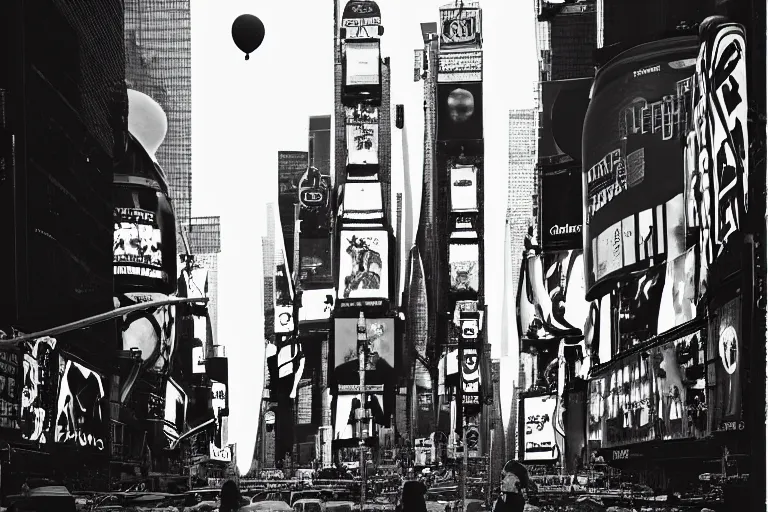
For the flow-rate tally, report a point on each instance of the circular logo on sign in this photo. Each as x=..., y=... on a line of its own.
x=729, y=349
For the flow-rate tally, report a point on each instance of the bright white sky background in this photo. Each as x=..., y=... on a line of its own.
x=244, y=112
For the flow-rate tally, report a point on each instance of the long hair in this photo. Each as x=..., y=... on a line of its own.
x=230, y=497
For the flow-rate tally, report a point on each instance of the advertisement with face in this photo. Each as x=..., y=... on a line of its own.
x=463, y=188
x=561, y=209
x=362, y=144
x=724, y=367
x=175, y=415
x=152, y=331
x=379, y=347
x=632, y=160
x=138, y=244
x=363, y=264
x=81, y=413
x=680, y=387
x=37, y=394
x=362, y=61
x=460, y=27
x=460, y=111
x=539, y=443
x=464, y=267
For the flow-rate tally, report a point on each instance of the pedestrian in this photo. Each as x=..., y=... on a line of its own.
x=230, y=497
x=514, y=478
x=412, y=499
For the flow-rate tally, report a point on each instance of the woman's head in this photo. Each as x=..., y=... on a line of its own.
x=230, y=495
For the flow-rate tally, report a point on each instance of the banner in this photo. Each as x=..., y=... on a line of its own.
x=632, y=160
x=562, y=211
x=463, y=188
x=362, y=144
x=460, y=26
x=724, y=367
x=460, y=111
x=138, y=244
x=361, y=20
x=81, y=414
x=565, y=104
x=539, y=435
x=363, y=264
x=362, y=61
x=460, y=66
x=174, y=420
x=37, y=394
x=464, y=264
x=470, y=376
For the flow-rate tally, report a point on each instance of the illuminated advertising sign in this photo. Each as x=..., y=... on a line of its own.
x=349, y=415
x=36, y=394
x=539, y=442
x=361, y=114
x=9, y=394
x=151, y=331
x=639, y=298
x=283, y=289
x=362, y=201
x=460, y=66
x=362, y=61
x=315, y=271
x=361, y=19
x=725, y=354
x=716, y=153
x=198, y=360
x=314, y=191
x=464, y=263
x=632, y=160
x=561, y=209
x=175, y=415
x=316, y=305
x=470, y=376
x=418, y=60
x=362, y=144
x=363, y=264
x=565, y=104
x=220, y=454
x=201, y=324
x=377, y=341
x=460, y=26
x=138, y=244
x=81, y=413
x=460, y=111
x=678, y=298
x=463, y=188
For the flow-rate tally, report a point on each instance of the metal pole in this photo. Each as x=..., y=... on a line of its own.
x=490, y=470
x=464, y=466
x=362, y=339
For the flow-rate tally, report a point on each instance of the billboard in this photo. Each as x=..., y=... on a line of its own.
x=316, y=304
x=561, y=209
x=460, y=66
x=463, y=188
x=464, y=262
x=362, y=63
x=175, y=417
x=151, y=331
x=418, y=62
x=10, y=365
x=361, y=114
x=320, y=143
x=460, y=111
x=470, y=376
x=138, y=244
x=539, y=432
x=632, y=160
x=363, y=264
x=37, y=393
x=564, y=104
x=361, y=19
x=460, y=26
x=363, y=144
x=725, y=349
x=717, y=147
x=362, y=200
x=81, y=412
x=315, y=271
x=379, y=345
x=639, y=298
x=679, y=297
x=348, y=414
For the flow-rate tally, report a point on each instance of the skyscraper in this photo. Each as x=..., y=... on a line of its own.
x=205, y=243
x=158, y=62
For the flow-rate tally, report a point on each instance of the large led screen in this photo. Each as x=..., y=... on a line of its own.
x=561, y=209
x=81, y=413
x=470, y=376
x=151, y=331
x=363, y=264
x=362, y=200
x=459, y=66
x=678, y=298
x=363, y=144
x=10, y=390
x=639, y=298
x=464, y=263
x=565, y=104
x=539, y=443
x=315, y=256
x=725, y=353
x=175, y=411
x=37, y=394
x=463, y=188
x=460, y=26
x=362, y=63
x=633, y=160
x=460, y=111
x=138, y=244
x=348, y=410
x=379, y=345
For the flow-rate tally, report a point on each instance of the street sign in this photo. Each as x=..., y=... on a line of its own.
x=357, y=388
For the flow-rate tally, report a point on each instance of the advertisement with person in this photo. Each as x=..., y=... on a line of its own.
x=38, y=389
x=717, y=148
x=539, y=443
x=563, y=304
x=377, y=343
x=363, y=144
x=565, y=104
x=362, y=63
x=460, y=26
x=632, y=159
x=151, y=331
x=464, y=188
x=175, y=417
x=725, y=366
x=464, y=264
x=81, y=413
x=138, y=244
x=680, y=387
x=460, y=111
x=348, y=411
x=363, y=264
x=561, y=209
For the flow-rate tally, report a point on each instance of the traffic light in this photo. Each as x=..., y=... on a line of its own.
x=399, y=116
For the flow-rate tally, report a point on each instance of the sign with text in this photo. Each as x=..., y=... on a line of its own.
x=81, y=417
x=539, y=442
x=460, y=26
x=561, y=209
x=466, y=66
x=362, y=63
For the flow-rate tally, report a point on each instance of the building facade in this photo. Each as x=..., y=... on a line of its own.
x=204, y=238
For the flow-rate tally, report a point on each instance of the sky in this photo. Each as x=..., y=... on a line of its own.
x=244, y=112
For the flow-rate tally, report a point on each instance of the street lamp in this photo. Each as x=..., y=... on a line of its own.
x=247, y=33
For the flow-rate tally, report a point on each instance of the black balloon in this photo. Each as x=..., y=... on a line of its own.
x=247, y=33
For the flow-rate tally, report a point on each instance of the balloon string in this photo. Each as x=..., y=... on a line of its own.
x=247, y=56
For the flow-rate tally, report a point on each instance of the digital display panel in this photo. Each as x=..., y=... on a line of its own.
x=725, y=364
x=363, y=144
x=459, y=66
x=633, y=168
x=678, y=298
x=175, y=415
x=362, y=61
x=463, y=188
x=38, y=395
x=363, y=264
x=348, y=411
x=378, y=345
x=81, y=413
x=460, y=26
x=152, y=331
x=639, y=299
x=464, y=267
x=362, y=200
x=138, y=244
x=561, y=209
x=539, y=443
x=470, y=376
x=11, y=389
x=315, y=272
x=460, y=111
